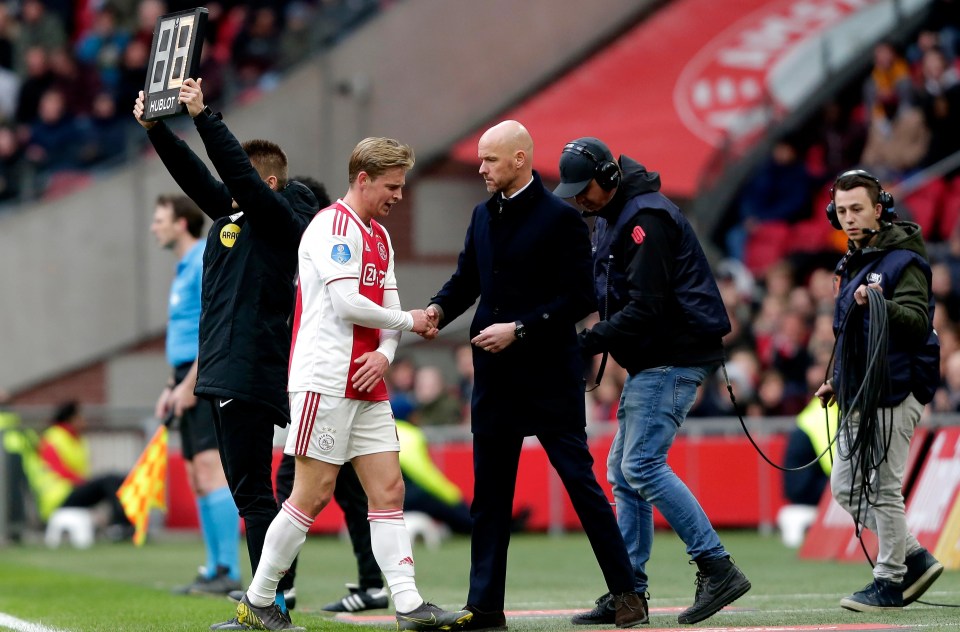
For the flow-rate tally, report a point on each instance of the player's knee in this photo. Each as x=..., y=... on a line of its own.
x=390, y=494
x=311, y=505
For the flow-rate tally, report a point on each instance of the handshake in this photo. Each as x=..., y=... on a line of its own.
x=426, y=322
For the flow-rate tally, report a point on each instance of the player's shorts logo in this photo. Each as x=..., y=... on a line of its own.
x=229, y=234
x=340, y=253
x=326, y=440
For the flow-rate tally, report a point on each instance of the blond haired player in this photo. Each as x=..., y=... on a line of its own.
x=346, y=328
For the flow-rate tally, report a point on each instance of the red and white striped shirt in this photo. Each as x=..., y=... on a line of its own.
x=346, y=294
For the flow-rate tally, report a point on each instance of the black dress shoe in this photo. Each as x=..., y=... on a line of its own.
x=485, y=620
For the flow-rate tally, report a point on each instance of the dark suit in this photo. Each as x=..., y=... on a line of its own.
x=528, y=259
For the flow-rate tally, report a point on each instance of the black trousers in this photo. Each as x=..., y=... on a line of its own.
x=456, y=516
x=352, y=499
x=245, y=439
x=96, y=490
x=284, y=486
x=495, y=460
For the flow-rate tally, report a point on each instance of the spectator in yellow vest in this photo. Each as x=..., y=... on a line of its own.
x=65, y=479
x=20, y=445
x=428, y=490
x=807, y=441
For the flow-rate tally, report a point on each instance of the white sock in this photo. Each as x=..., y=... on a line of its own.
x=285, y=538
x=391, y=548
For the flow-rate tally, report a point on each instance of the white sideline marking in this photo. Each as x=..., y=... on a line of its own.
x=19, y=625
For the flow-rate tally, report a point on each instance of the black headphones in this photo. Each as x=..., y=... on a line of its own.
x=884, y=198
x=606, y=172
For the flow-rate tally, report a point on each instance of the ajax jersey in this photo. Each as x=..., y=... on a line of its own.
x=337, y=248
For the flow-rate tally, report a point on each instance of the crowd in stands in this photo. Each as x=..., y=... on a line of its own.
x=70, y=72
x=902, y=118
x=422, y=395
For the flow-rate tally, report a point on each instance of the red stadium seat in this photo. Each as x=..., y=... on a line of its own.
x=765, y=246
x=812, y=235
x=923, y=206
x=65, y=182
x=950, y=209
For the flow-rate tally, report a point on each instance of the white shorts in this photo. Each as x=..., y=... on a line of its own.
x=336, y=429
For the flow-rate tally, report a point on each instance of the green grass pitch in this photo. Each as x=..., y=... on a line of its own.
x=117, y=587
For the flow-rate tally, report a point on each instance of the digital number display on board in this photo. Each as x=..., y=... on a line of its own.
x=174, y=56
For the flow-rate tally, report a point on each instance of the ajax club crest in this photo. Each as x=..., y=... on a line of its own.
x=326, y=439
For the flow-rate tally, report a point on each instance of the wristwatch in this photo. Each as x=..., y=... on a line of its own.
x=519, y=331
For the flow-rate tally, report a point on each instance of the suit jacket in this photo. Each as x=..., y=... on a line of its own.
x=527, y=259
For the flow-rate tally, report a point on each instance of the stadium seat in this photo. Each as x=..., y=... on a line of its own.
x=923, y=206
x=64, y=183
x=950, y=209
x=76, y=523
x=765, y=246
x=813, y=235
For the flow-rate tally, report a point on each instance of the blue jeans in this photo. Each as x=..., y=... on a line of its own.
x=653, y=405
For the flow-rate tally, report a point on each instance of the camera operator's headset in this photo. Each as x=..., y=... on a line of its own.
x=884, y=198
x=605, y=172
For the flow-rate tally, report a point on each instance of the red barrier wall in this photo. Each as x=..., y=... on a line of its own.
x=931, y=487
x=731, y=481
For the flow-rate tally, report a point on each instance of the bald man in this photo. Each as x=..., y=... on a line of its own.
x=527, y=259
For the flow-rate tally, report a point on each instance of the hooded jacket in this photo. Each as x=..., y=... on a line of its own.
x=249, y=265
x=659, y=301
x=897, y=260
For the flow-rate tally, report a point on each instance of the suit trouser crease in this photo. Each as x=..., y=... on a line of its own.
x=496, y=459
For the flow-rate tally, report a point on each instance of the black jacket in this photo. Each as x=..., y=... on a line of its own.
x=249, y=264
x=658, y=298
x=530, y=262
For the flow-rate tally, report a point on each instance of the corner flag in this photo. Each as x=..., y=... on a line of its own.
x=144, y=487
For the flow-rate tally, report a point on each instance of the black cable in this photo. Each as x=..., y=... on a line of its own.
x=840, y=421
x=604, y=316
x=743, y=424
x=869, y=444
x=871, y=441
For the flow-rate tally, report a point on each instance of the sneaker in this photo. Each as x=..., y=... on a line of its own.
x=877, y=596
x=289, y=596
x=234, y=623
x=922, y=570
x=266, y=618
x=631, y=610
x=358, y=600
x=429, y=617
x=719, y=583
x=604, y=613
x=488, y=621
x=220, y=584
